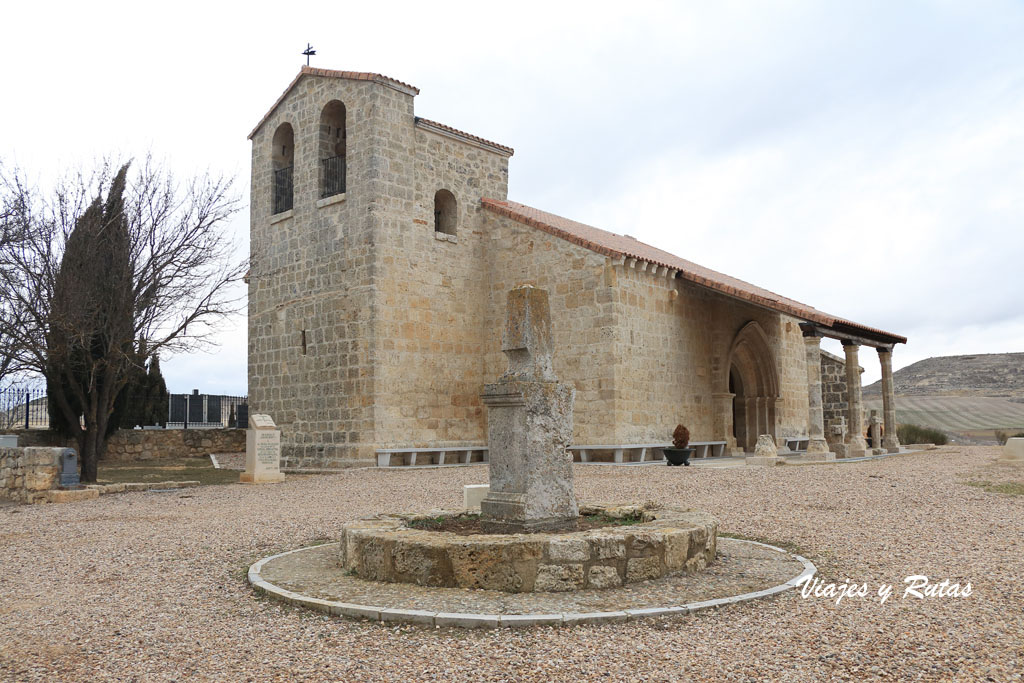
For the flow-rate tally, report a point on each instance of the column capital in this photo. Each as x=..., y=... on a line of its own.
x=884, y=349
x=810, y=330
x=847, y=343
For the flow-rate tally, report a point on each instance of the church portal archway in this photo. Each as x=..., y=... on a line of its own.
x=754, y=383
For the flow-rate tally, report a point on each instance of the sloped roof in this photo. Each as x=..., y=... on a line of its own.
x=330, y=73
x=614, y=245
x=455, y=132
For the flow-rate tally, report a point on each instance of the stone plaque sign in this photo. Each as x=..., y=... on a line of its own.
x=262, y=451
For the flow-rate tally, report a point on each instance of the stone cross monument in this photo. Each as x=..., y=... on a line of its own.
x=529, y=427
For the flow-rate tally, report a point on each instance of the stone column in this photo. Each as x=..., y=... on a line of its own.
x=815, y=413
x=752, y=429
x=890, y=441
x=855, y=415
x=762, y=417
x=722, y=406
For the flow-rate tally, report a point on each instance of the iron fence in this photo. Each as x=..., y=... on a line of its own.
x=206, y=411
x=283, y=189
x=334, y=176
x=24, y=408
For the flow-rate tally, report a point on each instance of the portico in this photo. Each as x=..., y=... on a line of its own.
x=852, y=341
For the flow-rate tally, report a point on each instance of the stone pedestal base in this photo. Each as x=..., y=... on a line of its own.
x=817, y=446
x=529, y=427
x=764, y=460
x=508, y=513
x=856, y=447
x=1013, y=452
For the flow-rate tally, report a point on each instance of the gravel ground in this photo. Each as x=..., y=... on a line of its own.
x=151, y=586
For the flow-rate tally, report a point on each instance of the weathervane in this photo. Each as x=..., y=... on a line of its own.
x=309, y=52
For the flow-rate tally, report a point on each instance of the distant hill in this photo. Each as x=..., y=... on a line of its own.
x=990, y=374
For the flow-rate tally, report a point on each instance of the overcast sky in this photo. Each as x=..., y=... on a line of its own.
x=865, y=158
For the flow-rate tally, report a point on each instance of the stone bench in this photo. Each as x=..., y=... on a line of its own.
x=413, y=457
x=797, y=443
x=644, y=452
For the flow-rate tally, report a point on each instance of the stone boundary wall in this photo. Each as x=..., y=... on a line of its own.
x=149, y=444
x=26, y=474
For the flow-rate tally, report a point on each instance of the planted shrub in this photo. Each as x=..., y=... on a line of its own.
x=681, y=437
x=917, y=434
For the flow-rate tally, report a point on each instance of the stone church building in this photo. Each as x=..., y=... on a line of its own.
x=383, y=246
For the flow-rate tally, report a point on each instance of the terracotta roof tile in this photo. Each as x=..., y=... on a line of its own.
x=330, y=73
x=613, y=245
x=462, y=133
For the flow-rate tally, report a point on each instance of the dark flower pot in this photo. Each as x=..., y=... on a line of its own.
x=678, y=456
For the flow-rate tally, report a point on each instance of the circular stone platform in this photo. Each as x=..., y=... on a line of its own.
x=663, y=542
x=311, y=577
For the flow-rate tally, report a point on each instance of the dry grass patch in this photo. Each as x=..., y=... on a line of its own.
x=1013, y=488
x=169, y=469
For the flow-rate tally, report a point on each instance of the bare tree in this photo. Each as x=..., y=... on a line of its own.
x=11, y=236
x=105, y=265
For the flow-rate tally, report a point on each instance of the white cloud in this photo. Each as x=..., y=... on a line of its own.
x=864, y=158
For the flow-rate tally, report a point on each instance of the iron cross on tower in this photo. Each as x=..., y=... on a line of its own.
x=309, y=52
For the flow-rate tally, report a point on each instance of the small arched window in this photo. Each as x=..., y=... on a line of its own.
x=282, y=159
x=332, y=149
x=445, y=212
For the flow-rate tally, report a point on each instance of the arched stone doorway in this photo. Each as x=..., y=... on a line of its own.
x=753, y=382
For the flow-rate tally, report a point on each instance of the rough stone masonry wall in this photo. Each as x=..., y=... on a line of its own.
x=149, y=444
x=432, y=289
x=25, y=473
x=663, y=357
x=581, y=295
x=833, y=394
x=671, y=358
x=315, y=270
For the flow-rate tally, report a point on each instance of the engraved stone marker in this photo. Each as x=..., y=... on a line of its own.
x=529, y=427
x=262, y=452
